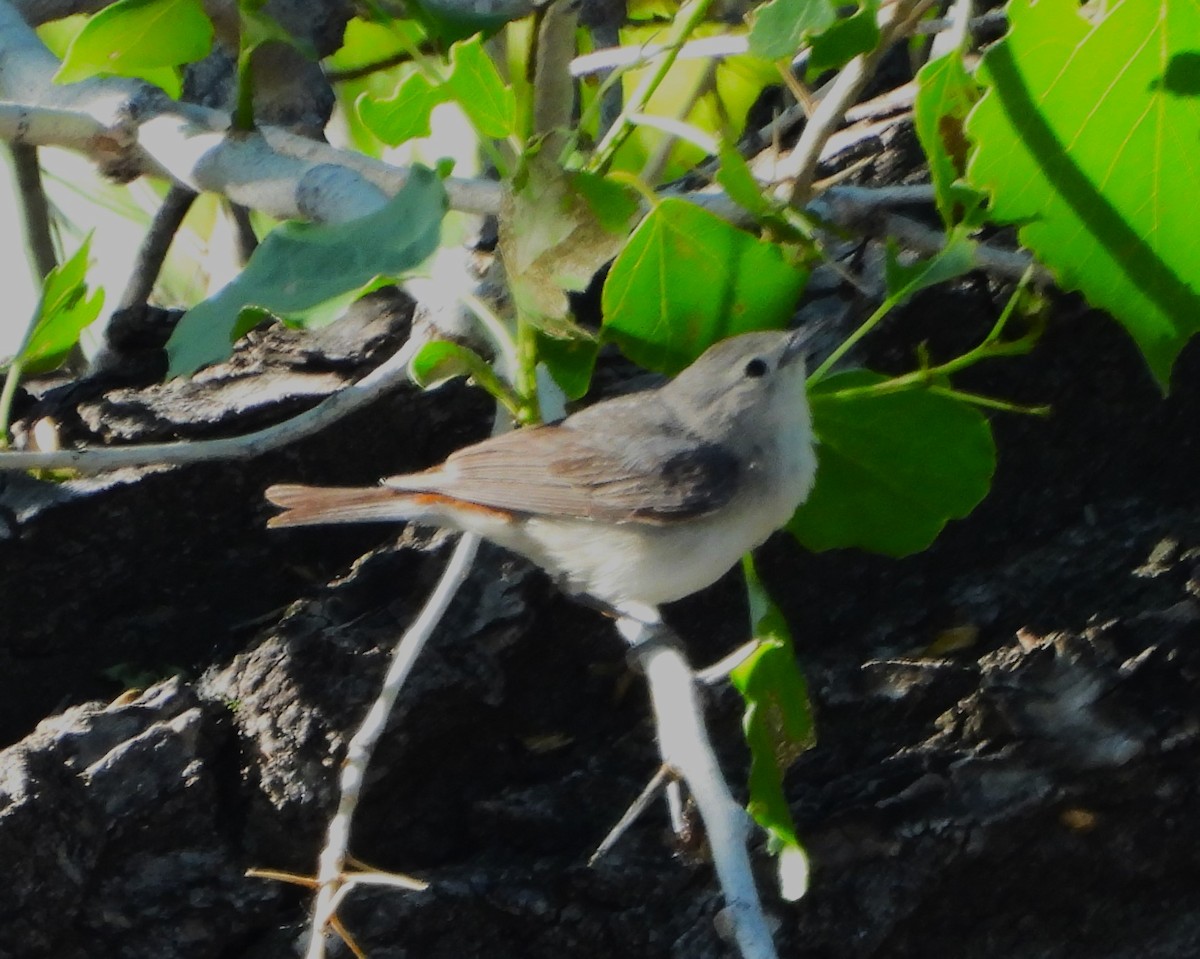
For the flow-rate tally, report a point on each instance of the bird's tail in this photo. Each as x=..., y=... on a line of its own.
x=312, y=505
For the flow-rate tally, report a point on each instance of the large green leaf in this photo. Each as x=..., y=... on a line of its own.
x=1087, y=136
x=893, y=468
x=63, y=311
x=781, y=26
x=134, y=37
x=301, y=265
x=687, y=279
x=778, y=726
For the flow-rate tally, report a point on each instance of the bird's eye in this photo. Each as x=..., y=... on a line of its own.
x=756, y=367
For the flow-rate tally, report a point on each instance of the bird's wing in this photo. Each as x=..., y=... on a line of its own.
x=560, y=471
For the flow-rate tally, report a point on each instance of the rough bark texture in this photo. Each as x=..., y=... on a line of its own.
x=1031, y=794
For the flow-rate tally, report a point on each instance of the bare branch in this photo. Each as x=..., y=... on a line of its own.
x=330, y=874
x=153, y=253
x=684, y=745
x=36, y=210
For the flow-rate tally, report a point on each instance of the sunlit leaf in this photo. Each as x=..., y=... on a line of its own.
x=1086, y=136
x=63, y=311
x=405, y=114
x=132, y=37
x=687, y=279
x=477, y=86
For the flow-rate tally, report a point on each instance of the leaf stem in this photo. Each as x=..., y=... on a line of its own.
x=243, y=113
x=525, y=378
x=689, y=18
x=11, y=380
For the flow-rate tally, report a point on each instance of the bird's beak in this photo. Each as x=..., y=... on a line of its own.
x=797, y=345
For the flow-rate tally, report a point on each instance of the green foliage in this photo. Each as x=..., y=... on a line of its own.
x=556, y=230
x=778, y=725
x=687, y=279
x=139, y=38
x=1086, y=137
x=63, y=311
x=906, y=280
x=712, y=98
x=894, y=467
x=301, y=265
x=781, y=26
x=472, y=81
x=845, y=39
x=945, y=95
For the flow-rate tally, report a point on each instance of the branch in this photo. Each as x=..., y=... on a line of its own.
x=157, y=242
x=36, y=210
x=383, y=379
x=683, y=743
x=130, y=129
x=331, y=879
x=801, y=165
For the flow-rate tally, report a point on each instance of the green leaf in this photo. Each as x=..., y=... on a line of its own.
x=778, y=726
x=735, y=176
x=945, y=95
x=301, y=265
x=440, y=360
x=893, y=468
x=845, y=39
x=63, y=312
x=133, y=37
x=687, y=279
x=904, y=281
x=570, y=361
x=552, y=240
x=476, y=84
x=781, y=27
x=404, y=115
x=1087, y=137
x=614, y=205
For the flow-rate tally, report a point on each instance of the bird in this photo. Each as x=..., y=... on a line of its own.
x=634, y=501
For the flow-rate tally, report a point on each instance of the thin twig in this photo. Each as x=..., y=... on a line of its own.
x=800, y=167
x=657, y=784
x=247, y=239
x=330, y=876
x=383, y=63
x=35, y=208
x=719, y=671
x=153, y=252
x=684, y=746
x=383, y=379
x=553, y=91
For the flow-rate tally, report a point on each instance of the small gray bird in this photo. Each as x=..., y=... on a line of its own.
x=641, y=499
